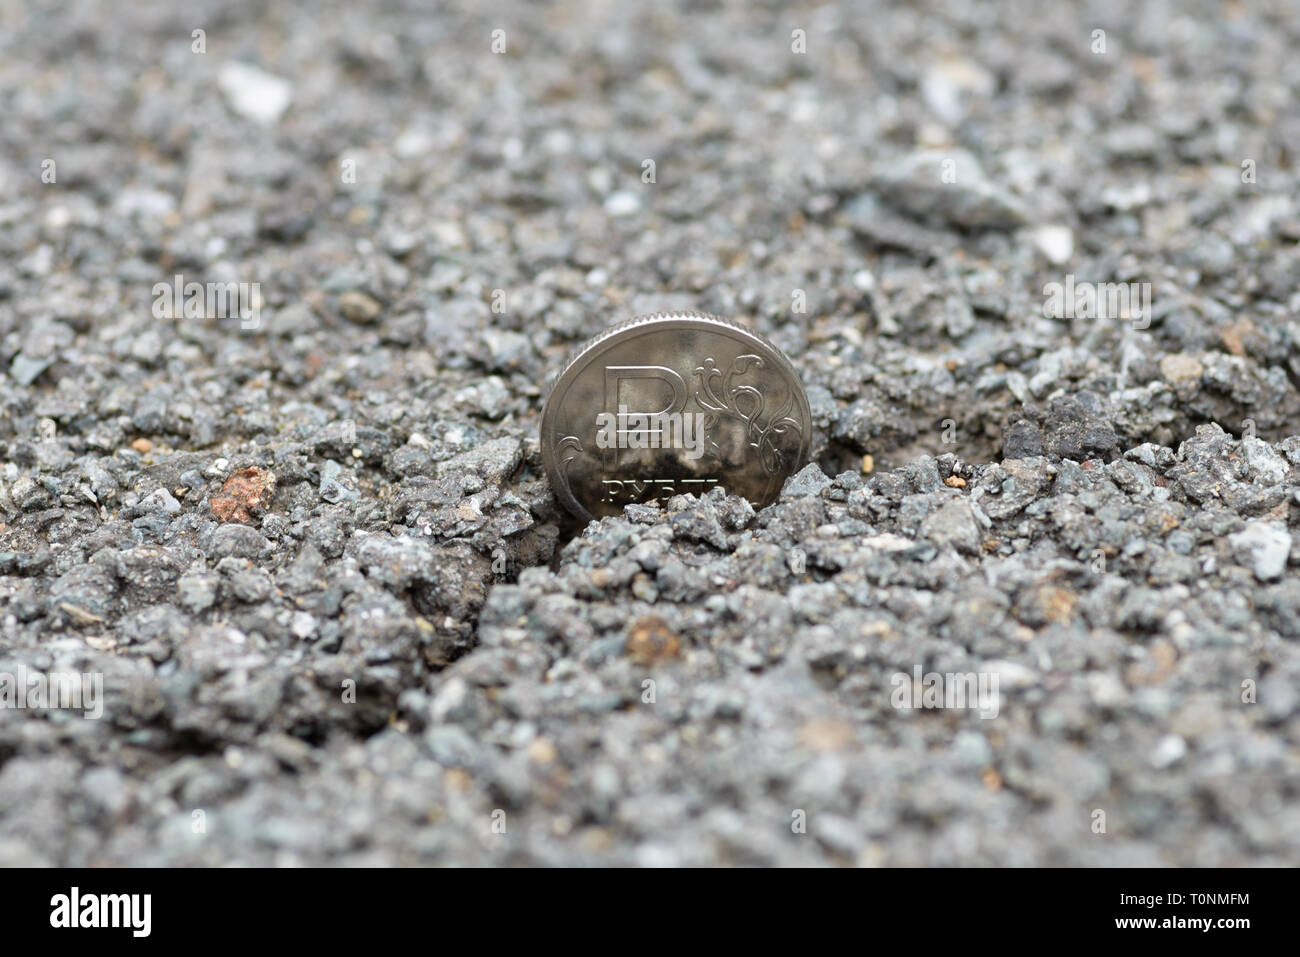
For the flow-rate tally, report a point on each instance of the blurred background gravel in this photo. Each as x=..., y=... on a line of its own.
x=321, y=570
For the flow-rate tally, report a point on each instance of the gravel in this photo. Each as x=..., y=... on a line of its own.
x=310, y=550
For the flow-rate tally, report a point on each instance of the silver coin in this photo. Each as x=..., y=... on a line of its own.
x=666, y=404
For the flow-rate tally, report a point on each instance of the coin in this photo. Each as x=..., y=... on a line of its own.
x=672, y=403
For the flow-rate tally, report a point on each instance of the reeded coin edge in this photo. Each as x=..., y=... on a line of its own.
x=577, y=354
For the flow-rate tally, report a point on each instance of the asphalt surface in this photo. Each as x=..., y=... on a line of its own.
x=312, y=556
